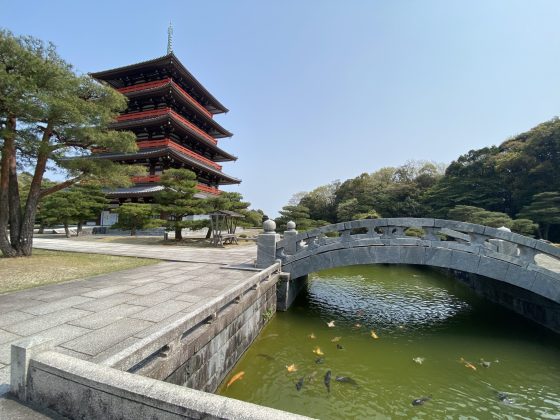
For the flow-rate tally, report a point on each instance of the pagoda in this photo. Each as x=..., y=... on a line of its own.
x=172, y=116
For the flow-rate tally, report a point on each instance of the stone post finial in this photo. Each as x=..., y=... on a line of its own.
x=269, y=226
x=291, y=225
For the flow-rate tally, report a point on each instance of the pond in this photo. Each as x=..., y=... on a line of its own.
x=399, y=341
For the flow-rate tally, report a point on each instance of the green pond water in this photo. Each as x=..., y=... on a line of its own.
x=416, y=313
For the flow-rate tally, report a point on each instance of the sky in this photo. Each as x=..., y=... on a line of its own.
x=320, y=90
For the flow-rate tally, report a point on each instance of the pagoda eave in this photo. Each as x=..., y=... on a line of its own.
x=170, y=153
x=110, y=76
x=221, y=155
x=221, y=132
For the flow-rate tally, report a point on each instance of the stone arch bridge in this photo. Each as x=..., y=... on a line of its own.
x=525, y=267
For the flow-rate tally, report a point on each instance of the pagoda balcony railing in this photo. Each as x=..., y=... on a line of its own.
x=146, y=179
x=170, y=143
x=167, y=111
x=163, y=82
x=208, y=189
x=157, y=178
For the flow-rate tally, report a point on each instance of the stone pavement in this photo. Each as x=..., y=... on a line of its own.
x=96, y=317
x=231, y=255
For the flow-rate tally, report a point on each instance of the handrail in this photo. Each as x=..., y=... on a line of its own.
x=167, y=111
x=144, y=348
x=146, y=144
x=163, y=82
x=468, y=237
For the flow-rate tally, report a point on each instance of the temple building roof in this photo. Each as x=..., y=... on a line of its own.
x=178, y=124
x=168, y=87
x=167, y=65
x=171, y=153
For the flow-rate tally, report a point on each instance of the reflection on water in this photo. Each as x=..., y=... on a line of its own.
x=438, y=343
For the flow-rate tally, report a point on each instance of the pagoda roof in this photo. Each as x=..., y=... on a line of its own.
x=168, y=151
x=221, y=155
x=170, y=59
x=136, y=191
x=178, y=93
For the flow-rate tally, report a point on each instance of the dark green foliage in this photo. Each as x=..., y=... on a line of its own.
x=49, y=113
x=544, y=209
x=134, y=216
x=176, y=200
x=296, y=213
x=74, y=205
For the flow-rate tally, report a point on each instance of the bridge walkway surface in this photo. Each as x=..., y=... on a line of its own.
x=94, y=318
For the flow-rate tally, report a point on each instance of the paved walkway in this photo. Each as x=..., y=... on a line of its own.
x=96, y=317
x=231, y=255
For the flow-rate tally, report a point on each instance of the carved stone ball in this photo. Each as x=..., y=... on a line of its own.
x=269, y=225
x=505, y=229
x=291, y=225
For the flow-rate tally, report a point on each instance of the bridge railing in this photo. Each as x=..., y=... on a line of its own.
x=496, y=243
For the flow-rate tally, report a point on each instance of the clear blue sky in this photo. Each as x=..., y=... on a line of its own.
x=320, y=90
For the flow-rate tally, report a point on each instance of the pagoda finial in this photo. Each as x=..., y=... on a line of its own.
x=170, y=38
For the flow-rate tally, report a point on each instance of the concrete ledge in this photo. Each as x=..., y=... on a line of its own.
x=79, y=389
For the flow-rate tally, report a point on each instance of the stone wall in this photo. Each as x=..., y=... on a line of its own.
x=530, y=305
x=208, y=352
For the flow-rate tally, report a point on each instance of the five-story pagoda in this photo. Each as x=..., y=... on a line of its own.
x=172, y=116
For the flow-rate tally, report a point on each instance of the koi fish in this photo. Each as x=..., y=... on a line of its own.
x=334, y=340
x=470, y=365
x=312, y=336
x=357, y=325
x=467, y=364
x=318, y=351
x=346, y=380
x=319, y=360
x=330, y=324
x=420, y=401
x=339, y=347
x=235, y=377
x=328, y=380
x=291, y=368
x=418, y=360
x=373, y=335
x=299, y=384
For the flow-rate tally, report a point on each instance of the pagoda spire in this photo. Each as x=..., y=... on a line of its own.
x=170, y=38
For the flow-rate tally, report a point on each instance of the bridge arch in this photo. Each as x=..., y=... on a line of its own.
x=508, y=257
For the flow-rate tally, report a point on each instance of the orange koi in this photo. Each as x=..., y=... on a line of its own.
x=235, y=377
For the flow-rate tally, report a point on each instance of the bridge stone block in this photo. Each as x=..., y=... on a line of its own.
x=413, y=255
x=384, y=254
x=521, y=277
x=456, y=246
x=464, y=261
x=362, y=255
x=411, y=222
x=503, y=257
x=321, y=262
x=550, y=249
x=369, y=241
x=462, y=226
x=343, y=257
x=547, y=286
x=438, y=257
x=493, y=268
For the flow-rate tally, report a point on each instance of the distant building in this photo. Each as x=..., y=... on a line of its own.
x=172, y=116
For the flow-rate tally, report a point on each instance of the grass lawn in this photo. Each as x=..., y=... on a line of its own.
x=48, y=267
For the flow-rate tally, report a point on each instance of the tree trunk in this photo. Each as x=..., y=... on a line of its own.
x=25, y=241
x=178, y=233
x=8, y=152
x=42, y=228
x=66, y=230
x=79, y=229
x=133, y=231
x=545, y=231
x=13, y=187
